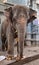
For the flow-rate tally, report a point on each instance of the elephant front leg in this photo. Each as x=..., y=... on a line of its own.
x=10, y=46
x=20, y=46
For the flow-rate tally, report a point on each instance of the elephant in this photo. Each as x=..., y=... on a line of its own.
x=17, y=17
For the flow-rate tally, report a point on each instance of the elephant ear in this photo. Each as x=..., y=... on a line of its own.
x=10, y=13
x=27, y=10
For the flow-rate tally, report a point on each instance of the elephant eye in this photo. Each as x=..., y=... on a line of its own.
x=21, y=15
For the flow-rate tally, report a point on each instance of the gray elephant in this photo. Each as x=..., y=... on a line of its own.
x=17, y=17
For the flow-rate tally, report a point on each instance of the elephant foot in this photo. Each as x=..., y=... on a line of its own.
x=20, y=58
x=10, y=57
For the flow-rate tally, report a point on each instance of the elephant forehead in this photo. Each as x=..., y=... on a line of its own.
x=19, y=10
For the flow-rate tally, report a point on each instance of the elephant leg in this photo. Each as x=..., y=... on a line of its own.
x=21, y=37
x=10, y=45
x=3, y=46
x=20, y=45
x=10, y=39
x=3, y=43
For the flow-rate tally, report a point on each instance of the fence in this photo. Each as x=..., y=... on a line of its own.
x=32, y=40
